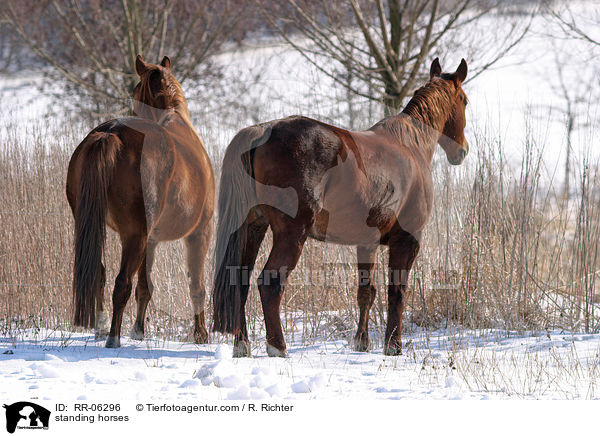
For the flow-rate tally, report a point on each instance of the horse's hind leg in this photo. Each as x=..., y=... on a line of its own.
x=365, y=295
x=404, y=248
x=143, y=291
x=255, y=233
x=197, y=247
x=288, y=240
x=131, y=259
x=102, y=323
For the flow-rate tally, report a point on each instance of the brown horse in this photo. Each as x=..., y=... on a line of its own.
x=306, y=179
x=148, y=178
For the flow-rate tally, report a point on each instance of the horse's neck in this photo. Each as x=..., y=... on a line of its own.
x=427, y=134
x=424, y=125
x=416, y=133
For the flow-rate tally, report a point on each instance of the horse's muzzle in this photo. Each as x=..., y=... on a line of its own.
x=462, y=153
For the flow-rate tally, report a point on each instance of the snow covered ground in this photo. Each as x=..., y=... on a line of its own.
x=64, y=366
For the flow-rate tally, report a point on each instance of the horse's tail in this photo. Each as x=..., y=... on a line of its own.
x=99, y=157
x=237, y=196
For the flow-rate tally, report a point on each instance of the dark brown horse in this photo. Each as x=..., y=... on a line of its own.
x=148, y=178
x=306, y=179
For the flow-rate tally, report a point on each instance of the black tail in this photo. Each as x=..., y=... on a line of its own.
x=99, y=156
x=237, y=195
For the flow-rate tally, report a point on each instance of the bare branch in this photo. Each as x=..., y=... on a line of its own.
x=382, y=42
x=91, y=45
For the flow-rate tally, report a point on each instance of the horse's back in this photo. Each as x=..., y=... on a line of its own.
x=190, y=197
x=296, y=146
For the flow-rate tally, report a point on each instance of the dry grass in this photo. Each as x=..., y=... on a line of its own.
x=502, y=250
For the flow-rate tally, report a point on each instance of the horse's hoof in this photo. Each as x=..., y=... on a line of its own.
x=200, y=336
x=393, y=349
x=102, y=325
x=276, y=352
x=113, y=342
x=136, y=334
x=100, y=335
x=361, y=347
x=241, y=349
x=361, y=343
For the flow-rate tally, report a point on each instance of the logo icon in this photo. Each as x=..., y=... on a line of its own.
x=26, y=415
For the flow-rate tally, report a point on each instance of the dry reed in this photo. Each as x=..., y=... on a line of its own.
x=502, y=250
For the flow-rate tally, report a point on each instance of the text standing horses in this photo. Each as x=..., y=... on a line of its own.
x=149, y=178
x=306, y=179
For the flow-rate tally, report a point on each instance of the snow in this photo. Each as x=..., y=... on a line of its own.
x=443, y=364
x=44, y=371
x=224, y=351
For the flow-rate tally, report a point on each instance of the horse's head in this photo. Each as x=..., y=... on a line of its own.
x=157, y=90
x=453, y=139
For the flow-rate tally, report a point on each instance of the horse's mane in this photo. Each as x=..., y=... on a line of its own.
x=431, y=102
x=424, y=114
x=172, y=94
x=428, y=105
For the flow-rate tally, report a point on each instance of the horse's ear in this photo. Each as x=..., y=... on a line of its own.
x=461, y=71
x=140, y=66
x=166, y=62
x=436, y=69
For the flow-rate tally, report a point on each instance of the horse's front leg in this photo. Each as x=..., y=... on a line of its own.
x=197, y=248
x=403, y=250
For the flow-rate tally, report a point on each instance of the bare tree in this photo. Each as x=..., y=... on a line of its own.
x=575, y=24
x=576, y=97
x=91, y=45
x=8, y=47
x=387, y=42
x=575, y=71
